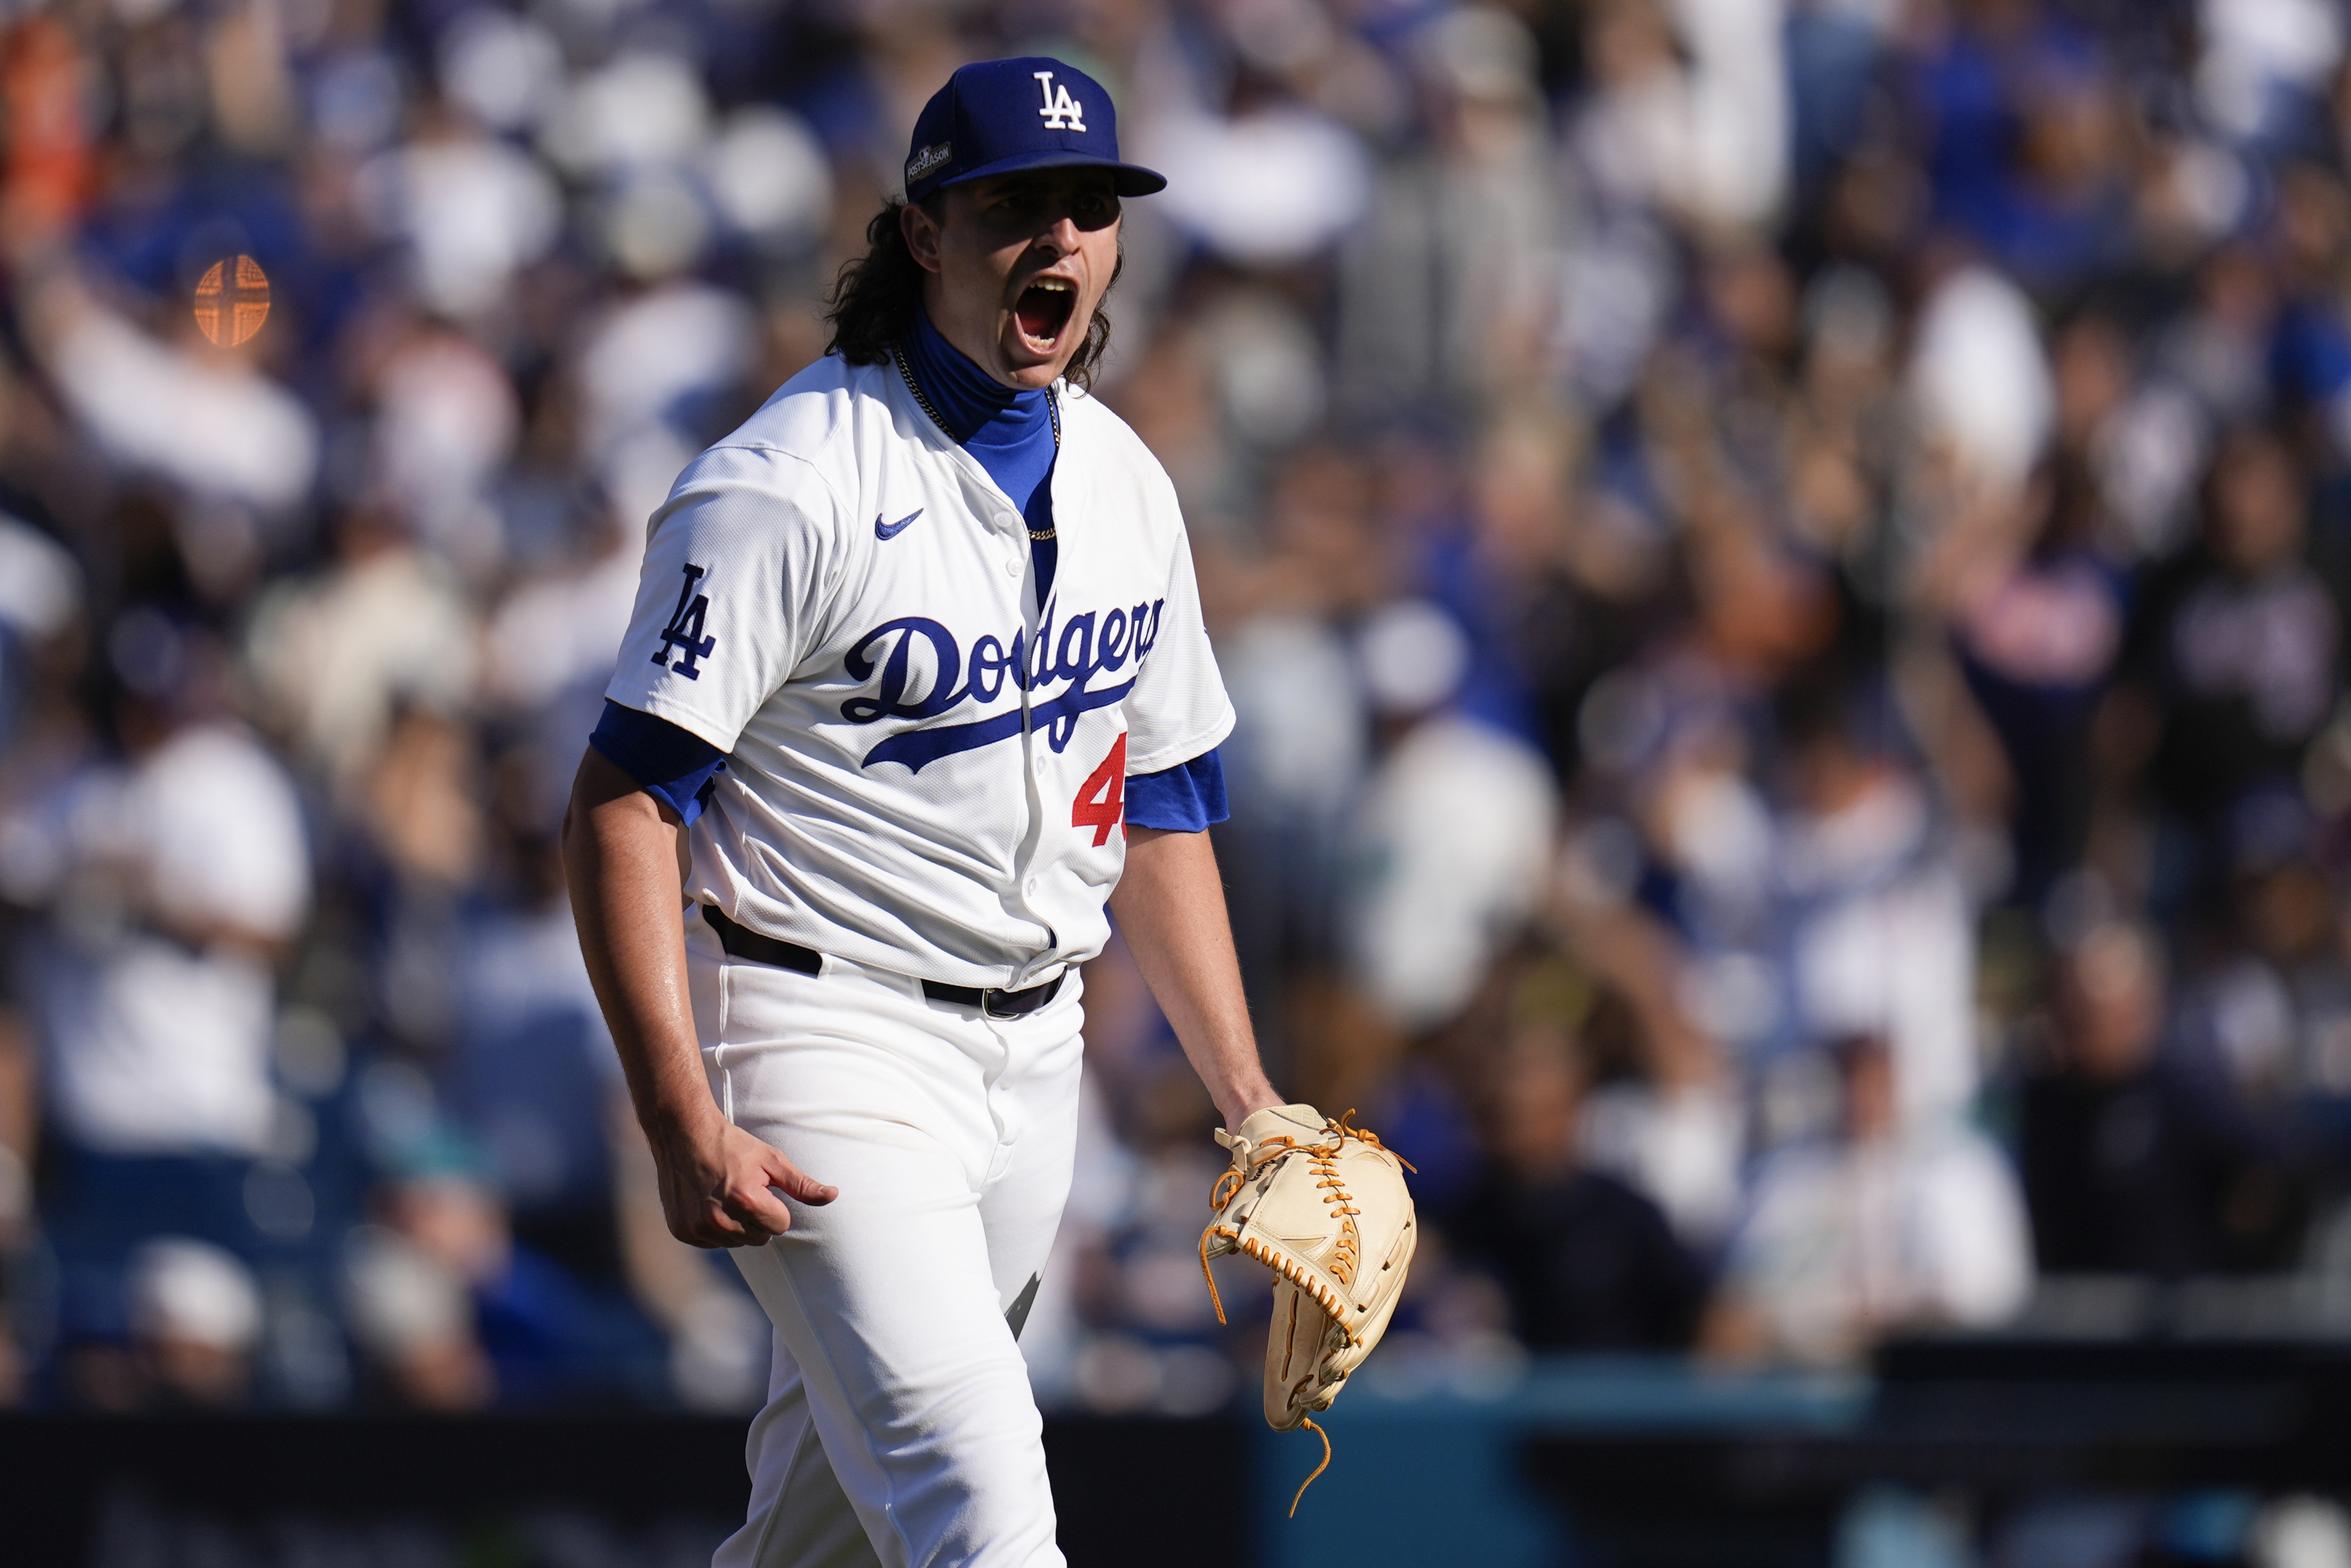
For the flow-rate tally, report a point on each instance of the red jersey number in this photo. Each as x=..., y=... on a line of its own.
x=1101, y=798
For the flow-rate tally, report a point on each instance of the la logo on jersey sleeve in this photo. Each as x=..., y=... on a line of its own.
x=685, y=632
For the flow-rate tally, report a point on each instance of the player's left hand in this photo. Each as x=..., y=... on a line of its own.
x=1323, y=1206
x=719, y=1187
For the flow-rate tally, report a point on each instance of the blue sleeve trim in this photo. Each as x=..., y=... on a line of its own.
x=676, y=767
x=1183, y=799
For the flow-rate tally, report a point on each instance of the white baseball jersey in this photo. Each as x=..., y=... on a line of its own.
x=925, y=768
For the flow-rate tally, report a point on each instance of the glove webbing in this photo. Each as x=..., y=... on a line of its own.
x=1340, y=1198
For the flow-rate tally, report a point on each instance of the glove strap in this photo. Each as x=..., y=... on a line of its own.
x=1215, y=1299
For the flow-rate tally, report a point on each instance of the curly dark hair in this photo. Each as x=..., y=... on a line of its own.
x=874, y=299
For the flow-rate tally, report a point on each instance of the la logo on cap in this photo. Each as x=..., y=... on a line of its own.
x=1061, y=112
x=978, y=127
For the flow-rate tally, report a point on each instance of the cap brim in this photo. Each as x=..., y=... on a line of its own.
x=1129, y=179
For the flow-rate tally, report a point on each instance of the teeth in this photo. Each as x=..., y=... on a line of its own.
x=1055, y=285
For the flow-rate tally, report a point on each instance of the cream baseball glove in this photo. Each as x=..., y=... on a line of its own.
x=1324, y=1207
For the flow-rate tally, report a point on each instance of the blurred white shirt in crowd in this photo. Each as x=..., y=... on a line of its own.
x=335, y=653
x=641, y=372
x=446, y=420
x=1297, y=748
x=40, y=581
x=1979, y=377
x=1268, y=188
x=1844, y=1242
x=1680, y=1147
x=208, y=423
x=1695, y=119
x=1884, y=943
x=1737, y=107
x=645, y=108
x=1451, y=845
x=563, y=630
x=506, y=70
x=156, y=1046
x=2257, y=54
x=473, y=210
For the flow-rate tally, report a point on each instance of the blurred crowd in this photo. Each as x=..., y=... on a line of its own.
x=1782, y=562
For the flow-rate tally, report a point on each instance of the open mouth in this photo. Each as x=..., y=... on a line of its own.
x=1044, y=309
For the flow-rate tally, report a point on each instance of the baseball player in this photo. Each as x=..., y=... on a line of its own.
x=915, y=686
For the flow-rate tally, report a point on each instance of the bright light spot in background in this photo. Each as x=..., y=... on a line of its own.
x=232, y=300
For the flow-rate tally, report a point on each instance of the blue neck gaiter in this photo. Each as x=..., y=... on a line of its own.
x=1009, y=433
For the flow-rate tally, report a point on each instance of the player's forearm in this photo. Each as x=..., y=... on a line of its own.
x=621, y=857
x=1170, y=905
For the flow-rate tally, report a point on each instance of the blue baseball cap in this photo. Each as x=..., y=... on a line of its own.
x=1032, y=112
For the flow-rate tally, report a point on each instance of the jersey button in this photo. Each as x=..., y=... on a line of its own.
x=1011, y=566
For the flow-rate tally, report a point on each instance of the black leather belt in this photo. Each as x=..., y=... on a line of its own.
x=741, y=942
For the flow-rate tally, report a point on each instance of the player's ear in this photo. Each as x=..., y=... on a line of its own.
x=921, y=235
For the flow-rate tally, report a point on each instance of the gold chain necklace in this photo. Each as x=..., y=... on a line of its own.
x=1053, y=407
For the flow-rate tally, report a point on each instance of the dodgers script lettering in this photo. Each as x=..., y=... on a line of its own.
x=1088, y=644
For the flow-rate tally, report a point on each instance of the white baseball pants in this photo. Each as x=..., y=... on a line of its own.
x=900, y=1431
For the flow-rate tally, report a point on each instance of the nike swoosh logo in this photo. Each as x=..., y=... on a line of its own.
x=883, y=530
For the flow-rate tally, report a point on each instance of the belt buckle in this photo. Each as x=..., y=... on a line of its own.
x=987, y=994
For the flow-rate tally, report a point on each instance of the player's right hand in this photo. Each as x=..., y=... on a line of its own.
x=719, y=1187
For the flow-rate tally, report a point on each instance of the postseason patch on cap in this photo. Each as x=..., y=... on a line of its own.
x=928, y=159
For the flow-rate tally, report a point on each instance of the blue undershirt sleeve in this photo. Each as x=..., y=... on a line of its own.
x=675, y=766
x=1183, y=799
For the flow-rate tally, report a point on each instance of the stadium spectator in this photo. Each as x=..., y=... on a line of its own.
x=1438, y=848
x=156, y=1010
x=2131, y=1153
x=1894, y=1225
x=414, y=1324
x=545, y=1337
x=1873, y=910
x=177, y=881
x=1587, y=1264
x=2038, y=619
x=2239, y=639
x=195, y=1323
